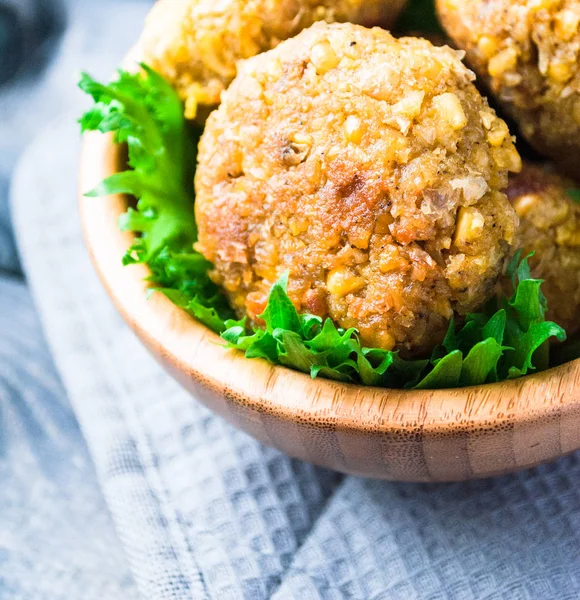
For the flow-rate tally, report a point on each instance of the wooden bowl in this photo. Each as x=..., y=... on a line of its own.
x=446, y=435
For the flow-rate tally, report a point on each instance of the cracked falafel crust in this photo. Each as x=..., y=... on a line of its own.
x=196, y=44
x=368, y=167
x=550, y=228
x=528, y=53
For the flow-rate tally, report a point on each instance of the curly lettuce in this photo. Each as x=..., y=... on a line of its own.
x=142, y=111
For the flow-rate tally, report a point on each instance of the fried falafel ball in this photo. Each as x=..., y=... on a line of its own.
x=528, y=53
x=368, y=167
x=197, y=43
x=550, y=228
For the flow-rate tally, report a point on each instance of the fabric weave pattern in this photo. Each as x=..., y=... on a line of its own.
x=61, y=543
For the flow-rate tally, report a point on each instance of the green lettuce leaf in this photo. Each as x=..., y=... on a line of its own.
x=143, y=112
x=499, y=344
x=446, y=373
x=280, y=313
x=481, y=363
x=527, y=333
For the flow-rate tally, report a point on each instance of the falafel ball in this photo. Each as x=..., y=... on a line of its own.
x=550, y=228
x=368, y=167
x=197, y=43
x=528, y=53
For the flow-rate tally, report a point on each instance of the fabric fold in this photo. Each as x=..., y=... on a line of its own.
x=57, y=540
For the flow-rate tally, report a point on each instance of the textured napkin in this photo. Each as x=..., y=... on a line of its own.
x=204, y=511
x=57, y=538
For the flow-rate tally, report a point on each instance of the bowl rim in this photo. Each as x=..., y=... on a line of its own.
x=257, y=384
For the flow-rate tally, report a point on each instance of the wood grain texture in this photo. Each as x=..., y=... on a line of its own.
x=446, y=435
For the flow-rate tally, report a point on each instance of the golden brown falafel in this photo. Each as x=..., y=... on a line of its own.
x=550, y=228
x=368, y=167
x=528, y=52
x=197, y=43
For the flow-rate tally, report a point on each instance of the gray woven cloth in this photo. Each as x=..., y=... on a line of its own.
x=57, y=540
x=201, y=510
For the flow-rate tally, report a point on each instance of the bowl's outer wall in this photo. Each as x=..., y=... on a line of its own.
x=447, y=435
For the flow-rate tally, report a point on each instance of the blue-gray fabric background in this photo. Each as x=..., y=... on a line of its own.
x=115, y=484
x=57, y=538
